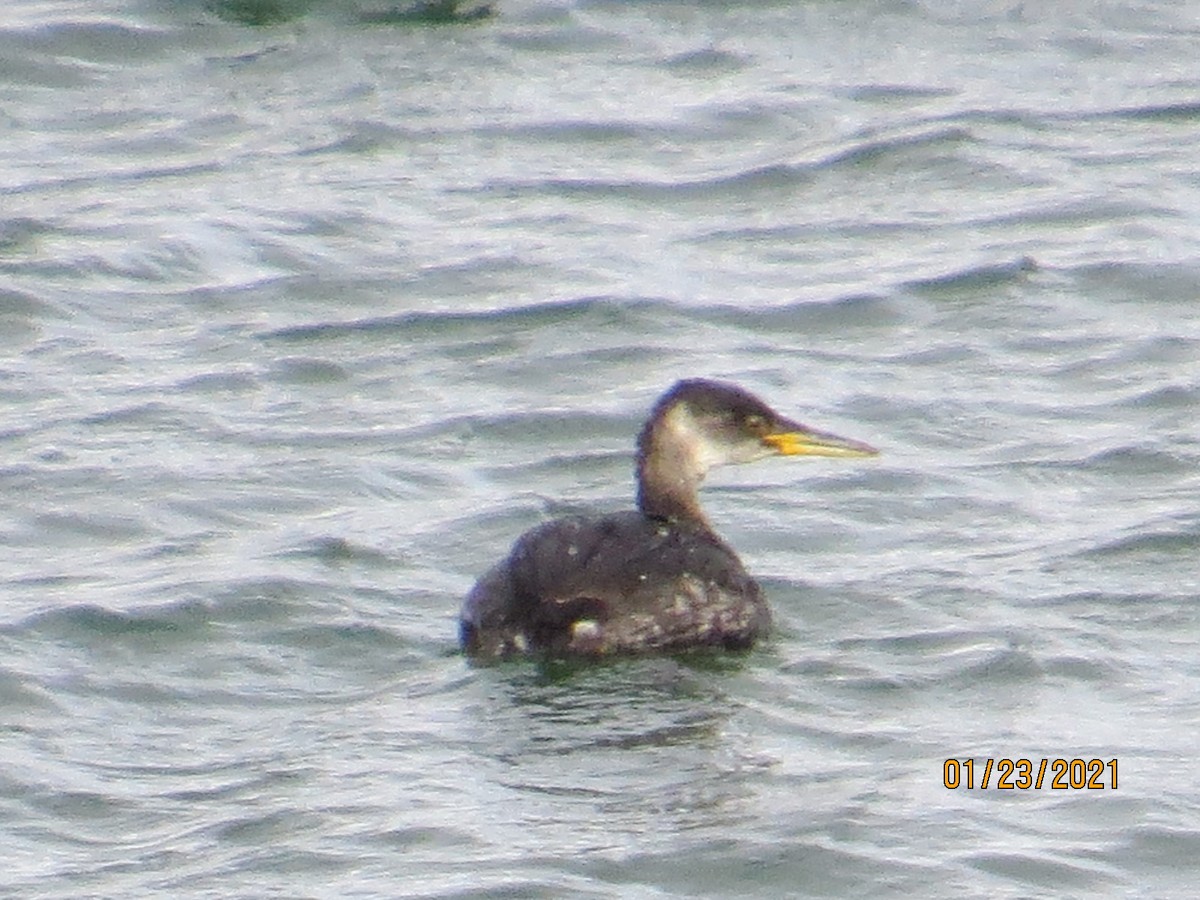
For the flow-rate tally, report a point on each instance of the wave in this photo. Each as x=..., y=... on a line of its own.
x=873, y=151
x=974, y=278
x=262, y=13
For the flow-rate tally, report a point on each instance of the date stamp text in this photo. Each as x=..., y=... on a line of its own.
x=1024, y=774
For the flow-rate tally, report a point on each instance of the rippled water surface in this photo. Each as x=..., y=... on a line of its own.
x=310, y=308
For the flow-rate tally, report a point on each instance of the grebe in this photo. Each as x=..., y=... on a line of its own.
x=657, y=579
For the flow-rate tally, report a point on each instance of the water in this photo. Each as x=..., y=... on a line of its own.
x=305, y=321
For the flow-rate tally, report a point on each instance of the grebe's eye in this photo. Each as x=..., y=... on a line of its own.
x=755, y=422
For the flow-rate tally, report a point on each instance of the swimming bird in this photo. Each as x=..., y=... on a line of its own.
x=657, y=579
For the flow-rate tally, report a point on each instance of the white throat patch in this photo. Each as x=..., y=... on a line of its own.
x=700, y=448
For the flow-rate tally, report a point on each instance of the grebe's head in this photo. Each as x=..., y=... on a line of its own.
x=711, y=423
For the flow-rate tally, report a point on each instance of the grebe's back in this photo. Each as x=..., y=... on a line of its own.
x=622, y=583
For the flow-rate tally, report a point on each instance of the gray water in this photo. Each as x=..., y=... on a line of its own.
x=304, y=321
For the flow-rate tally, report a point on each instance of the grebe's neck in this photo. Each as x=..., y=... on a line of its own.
x=673, y=458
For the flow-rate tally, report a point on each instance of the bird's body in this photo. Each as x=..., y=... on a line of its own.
x=620, y=583
x=653, y=580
